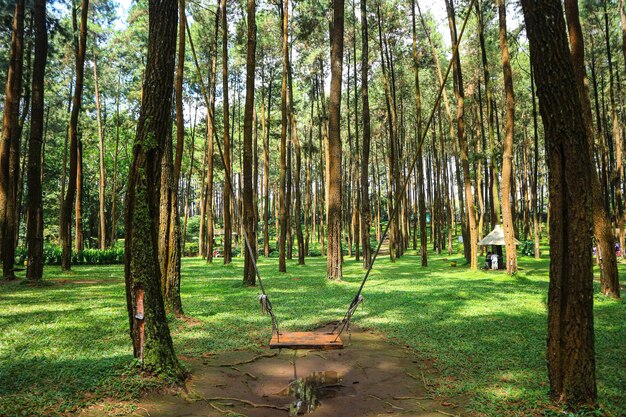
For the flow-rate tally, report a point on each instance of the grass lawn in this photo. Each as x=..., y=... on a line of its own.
x=66, y=344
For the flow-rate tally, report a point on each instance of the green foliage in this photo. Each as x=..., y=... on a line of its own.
x=52, y=256
x=528, y=248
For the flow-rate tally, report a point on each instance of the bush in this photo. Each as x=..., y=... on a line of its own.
x=52, y=256
x=528, y=248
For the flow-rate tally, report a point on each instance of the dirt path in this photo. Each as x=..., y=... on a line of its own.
x=368, y=378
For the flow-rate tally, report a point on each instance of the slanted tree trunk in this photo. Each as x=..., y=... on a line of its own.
x=366, y=213
x=463, y=147
x=149, y=331
x=602, y=228
x=34, y=232
x=9, y=148
x=507, y=152
x=570, y=350
x=249, y=276
x=66, y=213
x=420, y=168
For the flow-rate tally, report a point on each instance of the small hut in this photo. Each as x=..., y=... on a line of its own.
x=496, y=238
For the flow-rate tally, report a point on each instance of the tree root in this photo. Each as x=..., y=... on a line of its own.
x=256, y=358
x=246, y=402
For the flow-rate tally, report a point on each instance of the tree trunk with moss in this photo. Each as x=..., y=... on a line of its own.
x=149, y=331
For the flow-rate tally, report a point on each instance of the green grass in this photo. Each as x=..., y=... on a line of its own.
x=63, y=346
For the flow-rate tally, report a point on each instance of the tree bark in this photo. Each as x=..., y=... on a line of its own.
x=101, y=182
x=463, y=147
x=420, y=168
x=152, y=343
x=34, y=232
x=507, y=151
x=602, y=228
x=333, y=161
x=282, y=241
x=113, y=235
x=226, y=150
x=66, y=213
x=570, y=348
x=9, y=148
x=366, y=214
x=249, y=273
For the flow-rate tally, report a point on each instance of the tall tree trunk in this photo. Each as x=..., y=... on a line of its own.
x=463, y=147
x=266, y=173
x=101, y=182
x=618, y=177
x=570, y=350
x=9, y=148
x=113, y=235
x=333, y=162
x=493, y=167
x=507, y=151
x=226, y=150
x=150, y=334
x=249, y=277
x=34, y=232
x=366, y=213
x=282, y=241
x=170, y=218
x=420, y=168
x=66, y=214
x=602, y=227
x=79, y=239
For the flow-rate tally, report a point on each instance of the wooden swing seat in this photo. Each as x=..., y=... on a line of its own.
x=306, y=340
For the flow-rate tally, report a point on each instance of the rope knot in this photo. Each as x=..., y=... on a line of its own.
x=265, y=303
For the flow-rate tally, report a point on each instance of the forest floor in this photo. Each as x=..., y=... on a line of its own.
x=478, y=337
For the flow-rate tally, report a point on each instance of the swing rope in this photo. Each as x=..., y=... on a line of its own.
x=266, y=305
x=358, y=298
x=264, y=301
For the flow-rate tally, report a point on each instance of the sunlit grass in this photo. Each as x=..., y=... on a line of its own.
x=484, y=332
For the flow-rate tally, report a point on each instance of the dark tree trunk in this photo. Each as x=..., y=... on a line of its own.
x=66, y=213
x=152, y=343
x=9, y=148
x=570, y=350
x=602, y=228
x=249, y=277
x=34, y=232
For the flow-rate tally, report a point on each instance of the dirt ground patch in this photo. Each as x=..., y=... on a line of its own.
x=369, y=377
